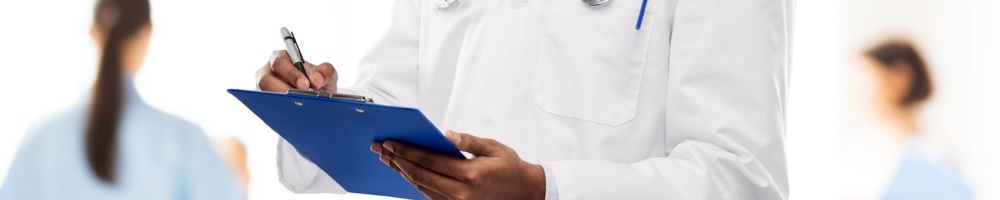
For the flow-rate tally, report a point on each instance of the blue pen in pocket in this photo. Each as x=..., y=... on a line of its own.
x=642, y=12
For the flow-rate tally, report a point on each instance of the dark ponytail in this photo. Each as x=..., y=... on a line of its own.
x=120, y=21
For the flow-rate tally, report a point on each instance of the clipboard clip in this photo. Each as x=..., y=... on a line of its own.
x=332, y=95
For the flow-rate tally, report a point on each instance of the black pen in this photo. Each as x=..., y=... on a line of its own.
x=292, y=47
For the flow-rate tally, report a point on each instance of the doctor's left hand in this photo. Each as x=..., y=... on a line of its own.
x=496, y=172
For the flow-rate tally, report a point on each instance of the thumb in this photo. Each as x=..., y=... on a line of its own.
x=324, y=77
x=475, y=145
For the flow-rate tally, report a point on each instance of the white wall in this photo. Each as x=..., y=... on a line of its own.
x=813, y=100
x=983, y=102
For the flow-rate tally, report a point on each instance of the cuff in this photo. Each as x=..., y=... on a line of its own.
x=551, y=192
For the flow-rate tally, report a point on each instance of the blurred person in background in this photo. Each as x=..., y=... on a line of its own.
x=115, y=146
x=234, y=152
x=894, y=161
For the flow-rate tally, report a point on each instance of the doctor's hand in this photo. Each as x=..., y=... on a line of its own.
x=496, y=172
x=279, y=75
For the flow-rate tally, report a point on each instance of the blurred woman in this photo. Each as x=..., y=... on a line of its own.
x=115, y=146
x=894, y=161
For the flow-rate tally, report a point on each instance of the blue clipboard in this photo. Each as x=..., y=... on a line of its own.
x=336, y=135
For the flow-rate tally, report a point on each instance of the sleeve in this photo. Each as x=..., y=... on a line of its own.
x=388, y=74
x=724, y=112
x=24, y=176
x=551, y=191
x=205, y=175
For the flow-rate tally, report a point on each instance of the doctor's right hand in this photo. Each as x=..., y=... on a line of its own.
x=279, y=75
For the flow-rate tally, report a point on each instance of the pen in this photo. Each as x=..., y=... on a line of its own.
x=292, y=47
x=642, y=12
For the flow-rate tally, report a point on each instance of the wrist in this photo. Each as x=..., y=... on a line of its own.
x=536, y=182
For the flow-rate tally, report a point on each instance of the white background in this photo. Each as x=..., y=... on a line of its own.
x=200, y=48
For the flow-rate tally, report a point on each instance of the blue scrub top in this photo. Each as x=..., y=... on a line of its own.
x=159, y=157
x=921, y=177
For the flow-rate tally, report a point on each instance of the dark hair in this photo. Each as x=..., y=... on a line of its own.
x=119, y=20
x=897, y=53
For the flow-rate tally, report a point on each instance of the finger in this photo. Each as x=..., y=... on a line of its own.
x=387, y=160
x=431, y=194
x=263, y=71
x=282, y=67
x=324, y=76
x=436, y=162
x=376, y=148
x=454, y=137
x=475, y=145
x=272, y=84
x=427, y=178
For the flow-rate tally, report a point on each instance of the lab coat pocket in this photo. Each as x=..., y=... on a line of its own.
x=591, y=60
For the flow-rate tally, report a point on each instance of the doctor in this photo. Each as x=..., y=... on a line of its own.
x=570, y=99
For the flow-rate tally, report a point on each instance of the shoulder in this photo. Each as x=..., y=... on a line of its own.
x=64, y=123
x=45, y=142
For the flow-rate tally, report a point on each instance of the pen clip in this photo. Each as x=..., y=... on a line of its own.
x=332, y=95
x=295, y=43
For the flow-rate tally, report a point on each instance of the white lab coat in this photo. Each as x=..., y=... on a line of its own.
x=690, y=106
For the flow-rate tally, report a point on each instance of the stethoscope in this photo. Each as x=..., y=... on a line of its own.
x=595, y=3
x=447, y=4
